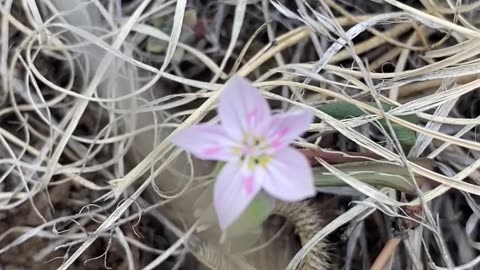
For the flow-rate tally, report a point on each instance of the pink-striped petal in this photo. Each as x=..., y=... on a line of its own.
x=283, y=128
x=242, y=108
x=233, y=192
x=207, y=142
x=288, y=176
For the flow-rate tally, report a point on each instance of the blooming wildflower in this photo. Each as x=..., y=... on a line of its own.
x=255, y=146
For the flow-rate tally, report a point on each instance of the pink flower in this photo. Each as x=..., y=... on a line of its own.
x=255, y=146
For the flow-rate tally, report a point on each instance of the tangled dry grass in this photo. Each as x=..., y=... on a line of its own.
x=93, y=91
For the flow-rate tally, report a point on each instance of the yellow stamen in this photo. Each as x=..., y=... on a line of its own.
x=264, y=160
x=237, y=150
x=252, y=162
x=258, y=161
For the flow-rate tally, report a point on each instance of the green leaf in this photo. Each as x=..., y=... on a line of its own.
x=344, y=110
x=252, y=218
x=247, y=225
x=375, y=173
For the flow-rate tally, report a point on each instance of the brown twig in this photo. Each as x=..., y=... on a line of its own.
x=386, y=253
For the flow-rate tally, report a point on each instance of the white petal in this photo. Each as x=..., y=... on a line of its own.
x=242, y=108
x=288, y=176
x=283, y=128
x=233, y=192
x=207, y=142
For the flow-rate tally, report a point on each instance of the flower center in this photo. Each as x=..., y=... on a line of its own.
x=252, y=152
x=262, y=160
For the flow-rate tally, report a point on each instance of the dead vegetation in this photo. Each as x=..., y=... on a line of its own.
x=93, y=91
